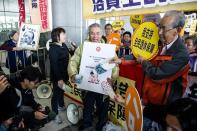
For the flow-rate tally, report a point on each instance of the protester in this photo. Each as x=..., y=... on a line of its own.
x=192, y=49
x=23, y=82
x=18, y=100
x=166, y=82
x=166, y=76
x=125, y=49
x=108, y=31
x=8, y=102
x=59, y=58
x=182, y=115
x=89, y=99
x=16, y=59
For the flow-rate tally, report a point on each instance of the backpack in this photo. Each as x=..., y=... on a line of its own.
x=157, y=91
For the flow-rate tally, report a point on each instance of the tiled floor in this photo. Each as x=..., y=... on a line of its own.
x=52, y=126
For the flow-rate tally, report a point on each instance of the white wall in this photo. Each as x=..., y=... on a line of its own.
x=68, y=14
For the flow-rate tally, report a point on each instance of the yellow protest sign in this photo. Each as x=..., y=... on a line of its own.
x=117, y=110
x=75, y=93
x=193, y=27
x=145, y=41
x=117, y=24
x=133, y=110
x=136, y=20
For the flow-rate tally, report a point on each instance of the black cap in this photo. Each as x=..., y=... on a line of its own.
x=11, y=33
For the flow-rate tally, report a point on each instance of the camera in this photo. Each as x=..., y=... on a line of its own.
x=46, y=110
x=14, y=77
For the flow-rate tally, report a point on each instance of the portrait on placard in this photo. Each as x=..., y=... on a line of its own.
x=29, y=36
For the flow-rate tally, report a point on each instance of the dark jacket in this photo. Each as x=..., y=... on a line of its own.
x=192, y=60
x=11, y=61
x=59, y=58
x=27, y=95
x=8, y=101
x=180, y=58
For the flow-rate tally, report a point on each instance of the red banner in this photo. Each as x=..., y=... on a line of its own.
x=133, y=71
x=43, y=13
x=21, y=4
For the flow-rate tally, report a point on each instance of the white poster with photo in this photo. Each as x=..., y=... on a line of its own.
x=93, y=55
x=29, y=36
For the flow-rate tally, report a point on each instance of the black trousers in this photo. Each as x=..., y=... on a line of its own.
x=57, y=98
x=89, y=101
x=156, y=113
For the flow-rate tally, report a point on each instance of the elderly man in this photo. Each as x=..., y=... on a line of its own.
x=28, y=37
x=165, y=82
x=90, y=98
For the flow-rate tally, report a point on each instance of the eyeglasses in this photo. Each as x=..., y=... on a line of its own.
x=164, y=28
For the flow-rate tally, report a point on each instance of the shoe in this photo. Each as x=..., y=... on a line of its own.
x=58, y=119
x=62, y=108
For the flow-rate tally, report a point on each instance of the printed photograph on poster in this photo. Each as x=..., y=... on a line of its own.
x=95, y=67
x=29, y=36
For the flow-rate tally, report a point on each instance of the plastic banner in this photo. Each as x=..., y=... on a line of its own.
x=108, y=8
x=40, y=11
x=21, y=4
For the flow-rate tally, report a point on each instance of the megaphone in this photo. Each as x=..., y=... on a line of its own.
x=44, y=91
x=74, y=113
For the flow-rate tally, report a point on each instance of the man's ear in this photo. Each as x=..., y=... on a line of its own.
x=179, y=29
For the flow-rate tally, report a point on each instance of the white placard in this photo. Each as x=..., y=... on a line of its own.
x=93, y=54
x=29, y=36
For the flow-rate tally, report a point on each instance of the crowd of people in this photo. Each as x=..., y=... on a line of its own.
x=164, y=84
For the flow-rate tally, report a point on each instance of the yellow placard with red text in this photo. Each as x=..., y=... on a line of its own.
x=136, y=20
x=117, y=24
x=133, y=110
x=145, y=41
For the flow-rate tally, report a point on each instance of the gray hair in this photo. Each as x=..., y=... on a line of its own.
x=93, y=25
x=179, y=16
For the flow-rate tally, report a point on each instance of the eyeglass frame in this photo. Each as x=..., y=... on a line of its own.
x=162, y=28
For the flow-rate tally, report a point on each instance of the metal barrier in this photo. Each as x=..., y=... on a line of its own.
x=38, y=56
